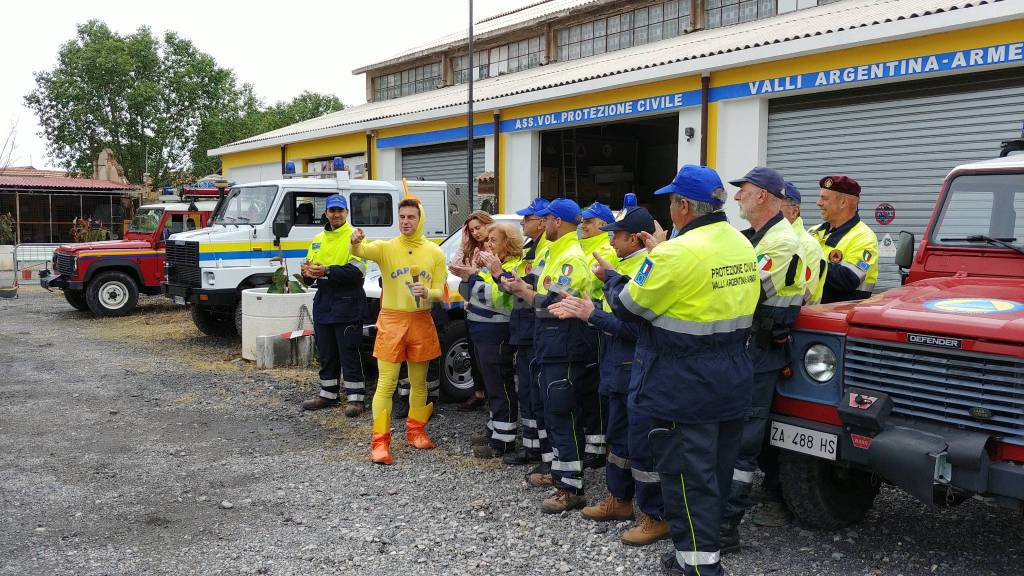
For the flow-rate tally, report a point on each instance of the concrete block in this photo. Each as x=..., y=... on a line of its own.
x=274, y=351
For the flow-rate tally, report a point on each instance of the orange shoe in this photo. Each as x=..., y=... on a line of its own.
x=415, y=432
x=380, y=441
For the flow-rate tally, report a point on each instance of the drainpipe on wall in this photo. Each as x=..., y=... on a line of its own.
x=283, y=147
x=705, y=86
x=369, y=155
x=497, y=159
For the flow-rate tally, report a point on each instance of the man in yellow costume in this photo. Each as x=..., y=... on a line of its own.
x=413, y=273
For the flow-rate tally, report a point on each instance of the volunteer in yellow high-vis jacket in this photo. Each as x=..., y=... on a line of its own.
x=413, y=274
x=782, y=275
x=339, y=307
x=595, y=409
x=814, y=259
x=849, y=245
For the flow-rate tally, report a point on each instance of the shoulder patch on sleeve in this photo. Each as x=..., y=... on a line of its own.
x=316, y=245
x=644, y=272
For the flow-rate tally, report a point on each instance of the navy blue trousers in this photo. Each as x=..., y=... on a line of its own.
x=337, y=347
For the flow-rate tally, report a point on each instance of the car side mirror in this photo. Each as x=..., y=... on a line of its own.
x=281, y=230
x=905, y=251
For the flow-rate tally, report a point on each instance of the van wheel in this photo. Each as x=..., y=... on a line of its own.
x=822, y=495
x=456, y=366
x=77, y=299
x=112, y=294
x=214, y=323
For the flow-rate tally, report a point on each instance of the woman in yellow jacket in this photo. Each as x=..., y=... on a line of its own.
x=413, y=273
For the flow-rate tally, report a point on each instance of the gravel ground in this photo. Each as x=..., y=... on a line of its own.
x=138, y=446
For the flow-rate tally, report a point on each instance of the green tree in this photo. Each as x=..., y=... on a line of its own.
x=141, y=96
x=247, y=117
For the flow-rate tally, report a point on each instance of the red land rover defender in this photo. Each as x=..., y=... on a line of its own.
x=107, y=277
x=921, y=386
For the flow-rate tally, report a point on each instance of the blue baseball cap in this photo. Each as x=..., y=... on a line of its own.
x=792, y=192
x=563, y=208
x=766, y=178
x=696, y=183
x=599, y=211
x=336, y=201
x=634, y=221
x=535, y=206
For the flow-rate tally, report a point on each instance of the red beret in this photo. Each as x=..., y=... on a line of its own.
x=842, y=184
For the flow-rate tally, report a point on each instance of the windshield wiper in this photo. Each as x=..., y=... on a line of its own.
x=1001, y=242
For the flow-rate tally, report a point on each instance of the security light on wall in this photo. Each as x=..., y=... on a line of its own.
x=688, y=132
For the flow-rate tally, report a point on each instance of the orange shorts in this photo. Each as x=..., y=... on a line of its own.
x=406, y=336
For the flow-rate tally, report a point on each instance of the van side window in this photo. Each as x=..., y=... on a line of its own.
x=370, y=209
x=303, y=209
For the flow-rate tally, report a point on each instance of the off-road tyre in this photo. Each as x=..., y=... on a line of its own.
x=215, y=323
x=822, y=495
x=456, y=365
x=77, y=299
x=112, y=293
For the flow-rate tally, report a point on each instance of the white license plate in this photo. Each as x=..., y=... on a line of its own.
x=805, y=440
x=179, y=300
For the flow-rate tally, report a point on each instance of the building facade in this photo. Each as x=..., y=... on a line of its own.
x=593, y=99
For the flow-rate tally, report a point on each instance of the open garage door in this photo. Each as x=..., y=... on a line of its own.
x=603, y=162
x=899, y=141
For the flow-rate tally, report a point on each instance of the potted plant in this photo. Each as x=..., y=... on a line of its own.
x=284, y=306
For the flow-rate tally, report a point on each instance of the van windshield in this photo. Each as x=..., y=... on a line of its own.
x=982, y=208
x=146, y=220
x=246, y=205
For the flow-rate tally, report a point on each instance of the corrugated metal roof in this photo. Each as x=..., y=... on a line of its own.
x=59, y=183
x=830, y=18
x=488, y=27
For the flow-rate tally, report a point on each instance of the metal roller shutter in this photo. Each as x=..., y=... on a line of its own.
x=447, y=163
x=898, y=141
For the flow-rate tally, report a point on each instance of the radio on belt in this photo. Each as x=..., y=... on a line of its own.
x=864, y=410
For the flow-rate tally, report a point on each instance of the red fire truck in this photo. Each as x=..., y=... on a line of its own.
x=922, y=386
x=107, y=277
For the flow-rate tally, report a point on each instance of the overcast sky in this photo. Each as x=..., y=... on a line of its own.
x=280, y=48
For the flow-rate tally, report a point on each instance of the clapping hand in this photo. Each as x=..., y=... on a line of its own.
x=462, y=271
x=652, y=240
x=572, y=307
x=514, y=285
x=489, y=261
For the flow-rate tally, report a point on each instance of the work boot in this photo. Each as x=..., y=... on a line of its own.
x=562, y=501
x=730, y=539
x=472, y=403
x=669, y=565
x=540, y=476
x=521, y=457
x=611, y=508
x=647, y=530
x=487, y=451
x=771, y=514
x=415, y=432
x=353, y=409
x=318, y=403
x=380, y=441
x=594, y=461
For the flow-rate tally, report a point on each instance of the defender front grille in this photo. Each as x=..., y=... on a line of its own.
x=182, y=258
x=981, y=392
x=65, y=264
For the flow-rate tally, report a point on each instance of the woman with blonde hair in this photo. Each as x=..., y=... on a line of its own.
x=487, y=313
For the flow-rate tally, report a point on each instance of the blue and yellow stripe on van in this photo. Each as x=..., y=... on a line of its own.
x=246, y=250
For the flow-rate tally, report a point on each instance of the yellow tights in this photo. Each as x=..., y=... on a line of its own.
x=387, y=381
